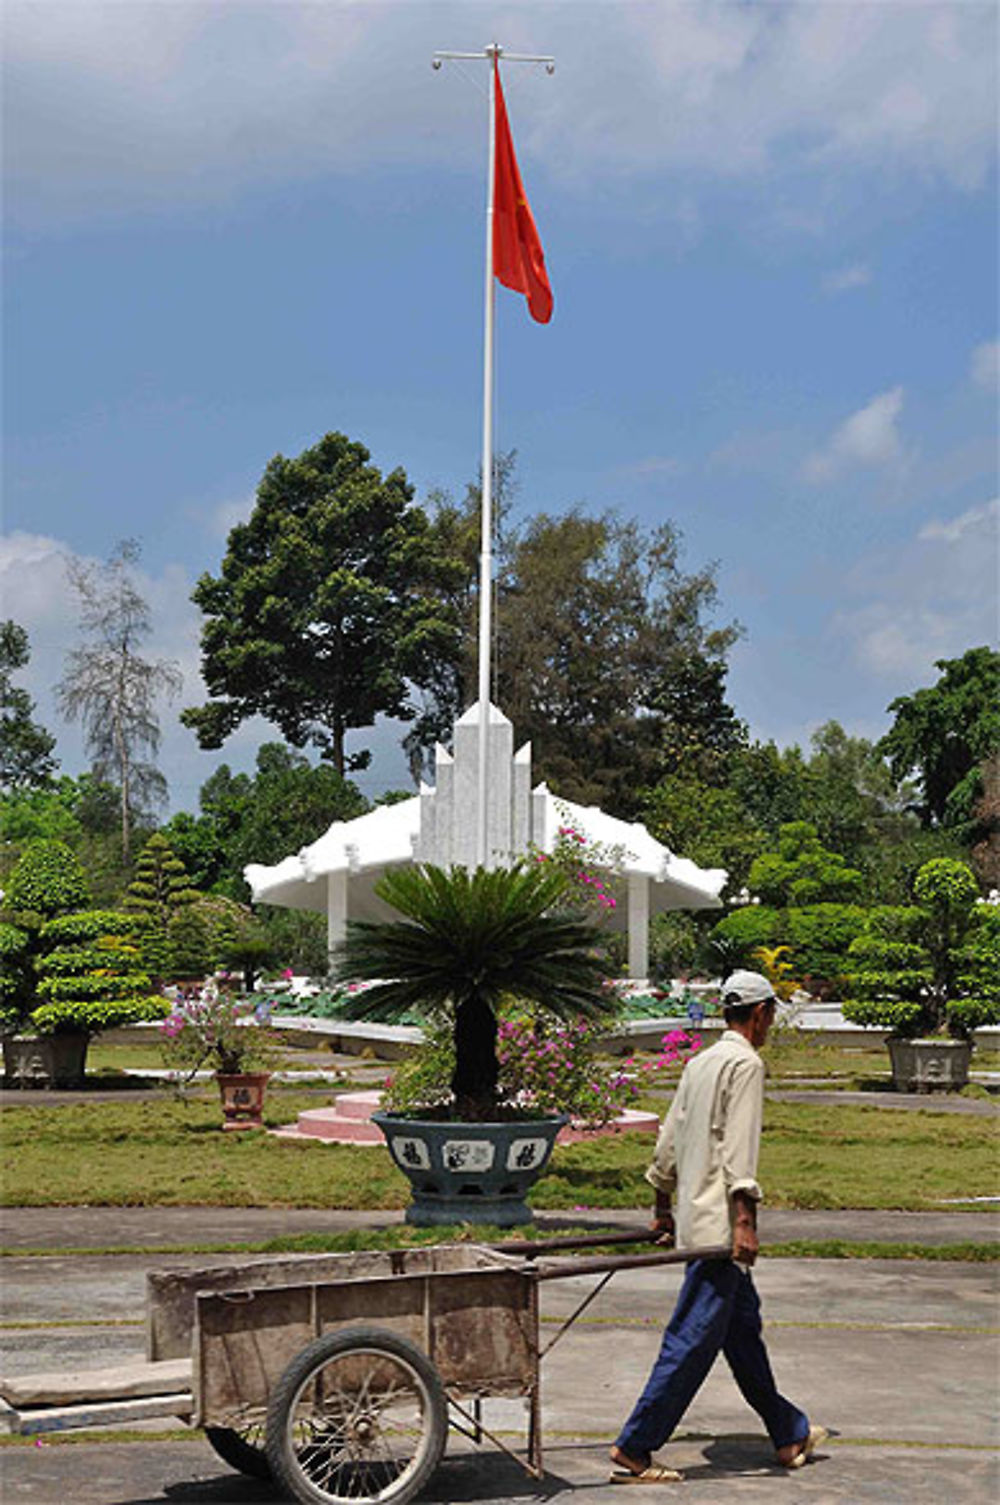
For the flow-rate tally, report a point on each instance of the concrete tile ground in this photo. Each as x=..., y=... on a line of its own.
x=901, y=1359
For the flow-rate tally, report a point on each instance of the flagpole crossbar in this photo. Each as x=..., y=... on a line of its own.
x=491, y=52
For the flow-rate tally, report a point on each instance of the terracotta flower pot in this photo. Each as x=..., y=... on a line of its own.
x=242, y=1098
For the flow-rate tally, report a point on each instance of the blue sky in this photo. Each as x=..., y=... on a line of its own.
x=771, y=232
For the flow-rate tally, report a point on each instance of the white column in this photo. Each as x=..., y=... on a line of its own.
x=638, y=926
x=336, y=908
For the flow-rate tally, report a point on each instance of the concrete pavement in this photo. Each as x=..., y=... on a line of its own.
x=901, y=1359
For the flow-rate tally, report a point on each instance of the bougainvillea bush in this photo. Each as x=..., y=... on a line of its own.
x=209, y=1029
x=546, y=1066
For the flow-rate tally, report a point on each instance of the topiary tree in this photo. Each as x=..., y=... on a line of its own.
x=67, y=970
x=159, y=891
x=90, y=977
x=803, y=871
x=46, y=882
x=926, y=968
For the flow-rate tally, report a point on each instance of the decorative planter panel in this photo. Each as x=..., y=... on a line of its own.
x=242, y=1098
x=469, y=1173
x=45, y=1060
x=929, y=1065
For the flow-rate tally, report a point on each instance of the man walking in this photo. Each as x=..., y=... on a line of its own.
x=706, y=1159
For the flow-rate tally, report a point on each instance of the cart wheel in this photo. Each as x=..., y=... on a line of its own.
x=358, y=1415
x=242, y=1448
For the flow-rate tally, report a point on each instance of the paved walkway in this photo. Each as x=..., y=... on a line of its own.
x=899, y=1358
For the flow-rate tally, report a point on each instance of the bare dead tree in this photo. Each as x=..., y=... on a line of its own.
x=111, y=688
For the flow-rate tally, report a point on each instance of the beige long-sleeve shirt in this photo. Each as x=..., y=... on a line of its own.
x=709, y=1141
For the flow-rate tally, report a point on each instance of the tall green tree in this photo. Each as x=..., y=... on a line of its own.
x=598, y=628
x=26, y=748
x=261, y=817
x=604, y=653
x=113, y=689
x=328, y=606
x=942, y=735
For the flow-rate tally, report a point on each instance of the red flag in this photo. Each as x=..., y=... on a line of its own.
x=518, y=259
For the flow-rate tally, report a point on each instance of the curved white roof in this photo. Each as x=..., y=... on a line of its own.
x=365, y=847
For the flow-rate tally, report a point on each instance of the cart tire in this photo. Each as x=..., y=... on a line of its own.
x=360, y=1415
x=242, y=1448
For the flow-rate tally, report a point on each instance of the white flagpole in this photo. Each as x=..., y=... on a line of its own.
x=492, y=53
x=486, y=519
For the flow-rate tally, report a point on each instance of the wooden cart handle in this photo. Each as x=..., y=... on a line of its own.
x=558, y=1269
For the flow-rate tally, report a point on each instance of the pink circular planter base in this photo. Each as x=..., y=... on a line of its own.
x=349, y=1122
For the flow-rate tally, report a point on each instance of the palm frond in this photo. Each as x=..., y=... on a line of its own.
x=479, y=932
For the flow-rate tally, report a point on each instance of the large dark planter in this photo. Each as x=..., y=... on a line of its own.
x=929, y=1065
x=469, y=1173
x=242, y=1098
x=45, y=1060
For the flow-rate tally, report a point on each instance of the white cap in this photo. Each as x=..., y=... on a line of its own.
x=749, y=987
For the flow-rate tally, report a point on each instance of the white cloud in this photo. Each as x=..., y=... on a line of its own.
x=869, y=437
x=220, y=520
x=847, y=278
x=106, y=99
x=985, y=365
x=976, y=521
x=653, y=467
x=933, y=598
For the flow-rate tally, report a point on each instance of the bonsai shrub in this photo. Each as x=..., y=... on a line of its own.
x=817, y=937
x=803, y=871
x=931, y=967
x=46, y=882
x=773, y=962
x=90, y=975
x=465, y=940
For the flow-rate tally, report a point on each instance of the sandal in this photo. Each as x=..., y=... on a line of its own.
x=810, y=1443
x=655, y=1473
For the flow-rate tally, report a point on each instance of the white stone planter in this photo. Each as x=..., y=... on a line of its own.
x=929, y=1065
x=44, y=1060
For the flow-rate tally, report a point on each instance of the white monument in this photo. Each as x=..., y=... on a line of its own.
x=336, y=875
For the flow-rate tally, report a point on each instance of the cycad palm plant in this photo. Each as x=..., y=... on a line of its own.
x=465, y=940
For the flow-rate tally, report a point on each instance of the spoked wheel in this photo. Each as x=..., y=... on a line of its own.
x=357, y=1416
x=242, y=1448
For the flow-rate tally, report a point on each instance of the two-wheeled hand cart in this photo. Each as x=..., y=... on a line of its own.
x=339, y=1375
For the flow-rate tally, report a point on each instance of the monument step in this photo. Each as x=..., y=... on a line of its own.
x=332, y=1130
x=349, y=1122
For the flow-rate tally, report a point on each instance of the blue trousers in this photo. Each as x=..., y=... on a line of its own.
x=718, y=1309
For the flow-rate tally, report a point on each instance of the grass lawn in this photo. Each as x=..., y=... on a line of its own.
x=164, y=1152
